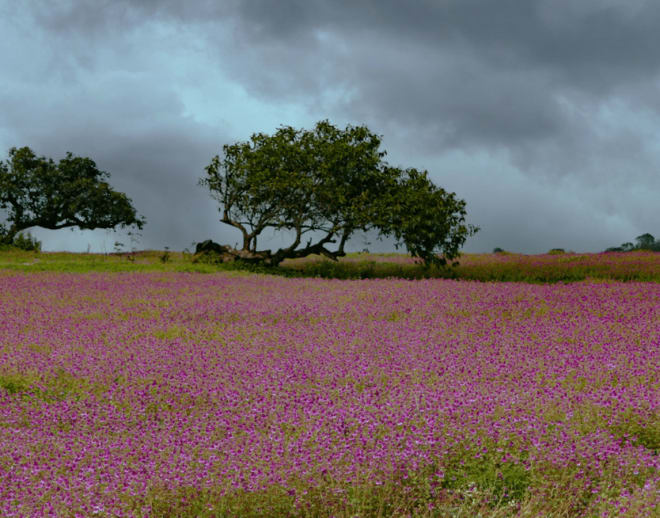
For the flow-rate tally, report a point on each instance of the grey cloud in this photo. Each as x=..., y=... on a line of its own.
x=134, y=130
x=108, y=16
x=560, y=93
x=591, y=44
x=473, y=65
x=618, y=39
x=466, y=74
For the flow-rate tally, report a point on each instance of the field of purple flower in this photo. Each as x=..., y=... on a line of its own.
x=180, y=394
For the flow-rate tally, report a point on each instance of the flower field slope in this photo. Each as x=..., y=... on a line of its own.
x=178, y=394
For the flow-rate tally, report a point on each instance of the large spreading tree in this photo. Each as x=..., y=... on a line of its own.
x=37, y=192
x=324, y=185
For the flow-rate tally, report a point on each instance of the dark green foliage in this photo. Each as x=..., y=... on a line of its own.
x=427, y=220
x=22, y=241
x=639, y=429
x=324, y=185
x=37, y=192
x=506, y=481
x=165, y=256
x=644, y=242
x=13, y=384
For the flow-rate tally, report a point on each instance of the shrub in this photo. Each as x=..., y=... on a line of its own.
x=27, y=242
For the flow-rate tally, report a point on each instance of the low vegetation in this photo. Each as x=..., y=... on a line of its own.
x=500, y=267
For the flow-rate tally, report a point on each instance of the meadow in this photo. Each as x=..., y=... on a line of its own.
x=505, y=267
x=142, y=388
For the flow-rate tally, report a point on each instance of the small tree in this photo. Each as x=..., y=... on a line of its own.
x=323, y=186
x=427, y=220
x=73, y=193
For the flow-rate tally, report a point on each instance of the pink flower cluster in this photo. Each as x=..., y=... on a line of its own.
x=113, y=384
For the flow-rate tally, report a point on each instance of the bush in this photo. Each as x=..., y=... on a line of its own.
x=165, y=256
x=26, y=242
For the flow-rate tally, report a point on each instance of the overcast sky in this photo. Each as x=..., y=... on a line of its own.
x=544, y=115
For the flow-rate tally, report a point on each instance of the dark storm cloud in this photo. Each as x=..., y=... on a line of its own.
x=558, y=94
x=477, y=68
x=562, y=89
x=155, y=160
x=74, y=93
x=473, y=72
x=595, y=44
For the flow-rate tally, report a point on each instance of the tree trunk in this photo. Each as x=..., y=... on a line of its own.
x=225, y=254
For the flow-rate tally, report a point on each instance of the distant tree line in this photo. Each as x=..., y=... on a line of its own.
x=643, y=242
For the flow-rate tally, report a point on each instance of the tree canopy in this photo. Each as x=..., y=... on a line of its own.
x=37, y=192
x=644, y=242
x=325, y=184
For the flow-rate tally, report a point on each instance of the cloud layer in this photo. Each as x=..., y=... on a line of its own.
x=543, y=114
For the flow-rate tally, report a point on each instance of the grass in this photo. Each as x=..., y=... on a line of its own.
x=467, y=488
x=545, y=268
x=56, y=386
x=406, y=495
